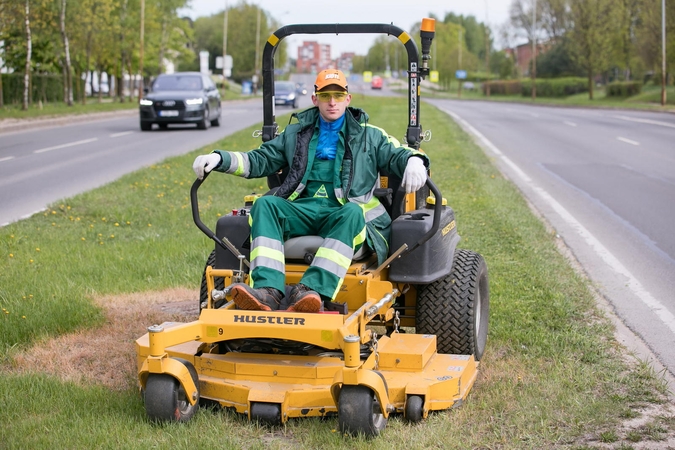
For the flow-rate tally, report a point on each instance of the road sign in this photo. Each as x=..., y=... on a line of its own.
x=433, y=76
x=460, y=74
x=367, y=76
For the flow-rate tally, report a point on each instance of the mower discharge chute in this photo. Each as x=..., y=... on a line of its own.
x=355, y=359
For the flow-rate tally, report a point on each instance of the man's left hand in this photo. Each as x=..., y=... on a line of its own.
x=415, y=175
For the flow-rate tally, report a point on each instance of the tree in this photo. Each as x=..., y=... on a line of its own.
x=26, y=78
x=67, y=70
x=591, y=35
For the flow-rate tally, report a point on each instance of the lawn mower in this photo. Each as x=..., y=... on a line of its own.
x=402, y=337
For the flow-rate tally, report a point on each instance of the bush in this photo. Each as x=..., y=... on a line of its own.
x=556, y=87
x=503, y=87
x=623, y=88
x=45, y=87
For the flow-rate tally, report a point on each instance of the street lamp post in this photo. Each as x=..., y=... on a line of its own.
x=534, y=50
x=663, y=52
x=225, y=38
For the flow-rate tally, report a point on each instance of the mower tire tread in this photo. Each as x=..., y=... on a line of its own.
x=455, y=308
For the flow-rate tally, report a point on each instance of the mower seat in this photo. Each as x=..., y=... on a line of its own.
x=303, y=248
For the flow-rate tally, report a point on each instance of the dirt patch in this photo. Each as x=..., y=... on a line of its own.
x=107, y=355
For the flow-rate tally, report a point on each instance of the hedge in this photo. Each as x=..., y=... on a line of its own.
x=556, y=87
x=623, y=88
x=45, y=87
x=503, y=87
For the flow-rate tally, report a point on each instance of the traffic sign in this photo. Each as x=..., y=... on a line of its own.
x=460, y=74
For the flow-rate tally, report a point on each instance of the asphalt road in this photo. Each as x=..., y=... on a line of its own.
x=40, y=166
x=605, y=180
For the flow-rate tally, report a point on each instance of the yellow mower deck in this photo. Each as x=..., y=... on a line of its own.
x=308, y=385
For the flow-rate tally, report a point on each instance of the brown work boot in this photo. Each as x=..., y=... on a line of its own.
x=304, y=300
x=261, y=299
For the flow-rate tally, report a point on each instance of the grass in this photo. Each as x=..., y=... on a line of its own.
x=552, y=374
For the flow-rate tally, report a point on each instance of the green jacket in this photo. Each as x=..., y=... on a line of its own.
x=364, y=152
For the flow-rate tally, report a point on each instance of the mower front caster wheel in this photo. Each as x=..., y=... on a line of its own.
x=165, y=398
x=413, y=408
x=359, y=412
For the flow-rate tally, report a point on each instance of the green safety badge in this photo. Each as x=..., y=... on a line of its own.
x=321, y=192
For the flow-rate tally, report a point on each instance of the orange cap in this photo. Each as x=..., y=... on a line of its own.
x=329, y=77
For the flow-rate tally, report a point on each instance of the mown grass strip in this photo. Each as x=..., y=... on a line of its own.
x=552, y=374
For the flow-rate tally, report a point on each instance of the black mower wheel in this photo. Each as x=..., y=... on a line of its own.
x=219, y=282
x=456, y=307
x=165, y=398
x=269, y=413
x=413, y=408
x=359, y=412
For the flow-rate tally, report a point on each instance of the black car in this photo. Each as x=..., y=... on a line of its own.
x=182, y=97
x=284, y=94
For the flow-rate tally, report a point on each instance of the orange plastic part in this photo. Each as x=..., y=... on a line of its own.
x=428, y=24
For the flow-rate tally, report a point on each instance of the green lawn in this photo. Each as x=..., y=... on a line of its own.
x=552, y=375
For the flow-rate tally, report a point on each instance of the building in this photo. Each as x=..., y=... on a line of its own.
x=522, y=55
x=313, y=57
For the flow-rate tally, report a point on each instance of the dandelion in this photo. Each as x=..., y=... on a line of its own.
x=23, y=317
x=100, y=243
x=37, y=249
x=149, y=224
x=128, y=223
x=53, y=224
x=53, y=212
x=84, y=239
x=91, y=226
x=11, y=255
x=112, y=236
x=104, y=219
x=117, y=224
x=30, y=261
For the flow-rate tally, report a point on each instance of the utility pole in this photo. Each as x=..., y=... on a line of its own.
x=459, y=64
x=224, y=38
x=140, y=55
x=487, y=52
x=663, y=53
x=257, y=53
x=534, y=50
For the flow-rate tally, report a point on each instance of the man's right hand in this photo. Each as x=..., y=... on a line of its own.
x=205, y=163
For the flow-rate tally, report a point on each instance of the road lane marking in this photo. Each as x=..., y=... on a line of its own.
x=651, y=122
x=627, y=141
x=70, y=144
x=607, y=257
x=572, y=124
x=124, y=133
x=6, y=158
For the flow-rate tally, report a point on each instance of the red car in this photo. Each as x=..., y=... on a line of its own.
x=376, y=83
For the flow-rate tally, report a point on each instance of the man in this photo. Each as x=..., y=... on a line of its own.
x=334, y=158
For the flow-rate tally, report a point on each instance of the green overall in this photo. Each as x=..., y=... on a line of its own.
x=317, y=212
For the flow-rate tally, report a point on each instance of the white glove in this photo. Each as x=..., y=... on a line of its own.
x=205, y=164
x=415, y=175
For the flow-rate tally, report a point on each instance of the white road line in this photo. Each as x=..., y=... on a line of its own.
x=572, y=124
x=70, y=144
x=627, y=141
x=6, y=158
x=632, y=283
x=651, y=122
x=124, y=133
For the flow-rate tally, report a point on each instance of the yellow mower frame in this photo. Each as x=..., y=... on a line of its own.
x=273, y=366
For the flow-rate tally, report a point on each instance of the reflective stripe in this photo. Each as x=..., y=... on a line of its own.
x=337, y=289
x=334, y=257
x=266, y=252
x=239, y=164
x=361, y=237
x=329, y=265
x=298, y=191
x=374, y=213
x=395, y=142
x=338, y=192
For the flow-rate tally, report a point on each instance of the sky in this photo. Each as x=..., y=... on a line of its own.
x=402, y=13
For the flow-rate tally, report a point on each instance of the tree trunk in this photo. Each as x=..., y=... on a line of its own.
x=100, y=90
x=26, y=77
x=67, y=79
x=590, y=83
x=123, y=18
